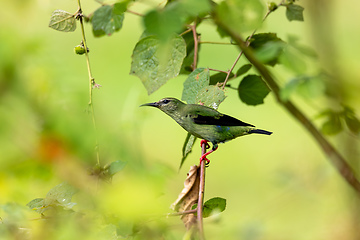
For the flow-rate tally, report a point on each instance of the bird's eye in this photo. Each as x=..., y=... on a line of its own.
x=166, y=101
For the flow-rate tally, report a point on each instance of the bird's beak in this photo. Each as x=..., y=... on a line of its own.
x=154, y=104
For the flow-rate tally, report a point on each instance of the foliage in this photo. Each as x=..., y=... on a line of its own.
x=89, y=201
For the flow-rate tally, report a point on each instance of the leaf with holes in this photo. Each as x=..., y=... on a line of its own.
x=155, y=63
x=62, y=21
x=196, y=80
x=210, y=96
x=252, y=90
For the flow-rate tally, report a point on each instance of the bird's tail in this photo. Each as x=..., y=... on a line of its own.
x=259, y=131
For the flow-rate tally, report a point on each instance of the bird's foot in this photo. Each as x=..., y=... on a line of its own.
x=203, y=141
x=203, y=158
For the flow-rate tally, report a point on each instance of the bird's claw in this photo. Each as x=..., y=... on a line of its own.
x=207, y=161
x=203, y=141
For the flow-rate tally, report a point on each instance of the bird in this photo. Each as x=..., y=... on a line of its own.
x=205, y=123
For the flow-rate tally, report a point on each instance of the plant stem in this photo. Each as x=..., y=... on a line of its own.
x=201, y=195
x=91, y=81
x=196, y=45
x=333, y=155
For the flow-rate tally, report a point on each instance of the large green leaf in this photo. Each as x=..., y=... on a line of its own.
x=196, y=80
x=62, y=21
x=155, y=63
x=252, y=90
x=241, y=15
x=108, y=19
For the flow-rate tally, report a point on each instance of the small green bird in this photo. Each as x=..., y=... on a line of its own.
x=205, y=123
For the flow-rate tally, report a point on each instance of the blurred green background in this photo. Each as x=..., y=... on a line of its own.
x=277, y=187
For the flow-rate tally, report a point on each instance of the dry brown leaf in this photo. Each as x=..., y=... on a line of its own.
x=188, y=196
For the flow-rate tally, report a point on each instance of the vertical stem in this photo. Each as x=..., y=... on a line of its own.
x=91, y=81
x=201, y=195
x=196, y=45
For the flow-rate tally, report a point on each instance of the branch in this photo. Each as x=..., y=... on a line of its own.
x=200, y=204
x=333, y=155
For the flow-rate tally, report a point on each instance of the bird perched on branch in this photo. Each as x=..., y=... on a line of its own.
x=205, y=123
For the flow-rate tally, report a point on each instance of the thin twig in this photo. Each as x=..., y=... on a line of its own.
x=201, y=194
x=220, y=43
x=182, y=213
x=92, y=83
x=196, y=45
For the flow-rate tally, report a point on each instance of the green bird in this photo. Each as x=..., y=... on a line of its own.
x=205, y=123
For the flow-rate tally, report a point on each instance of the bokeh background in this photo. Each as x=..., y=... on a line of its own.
x=277, y=187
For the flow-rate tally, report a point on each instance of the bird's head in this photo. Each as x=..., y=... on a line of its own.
x=168, y=105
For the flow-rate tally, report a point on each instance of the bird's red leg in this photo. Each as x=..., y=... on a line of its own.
x=203, y=157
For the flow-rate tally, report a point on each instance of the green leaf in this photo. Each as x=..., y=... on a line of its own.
x=291, y=60
x=212, y=205
x=352, y=122
x=163, y=23
x=294, y=12
x=60, y=195
x=187, y=147
x=108, y=19
x=37, y=205
x=252, y=90
x=196, y=80
x=210, y=96
x=268, y=47
x=116, y=167
x=241, y=15
x=333, y=124
x=62, y=21
x=306, y=86
x=243, y=69
x=155, y=64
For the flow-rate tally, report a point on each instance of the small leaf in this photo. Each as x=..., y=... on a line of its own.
x=243, y=69
x=306, y=86
x=333, y=124
x=37, y=205
x=215, y=204
x=187, y=147
x=108, y=19
x=352, y=122
x=294, y=12
x=252, y=90
x=155, y=64
x=210, y=96
x=196, y=80
x=62, y=21
x=116, y=167
x=60, y=195
x=268, y=47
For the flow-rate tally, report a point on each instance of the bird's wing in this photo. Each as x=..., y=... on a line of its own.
x=204, y=115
